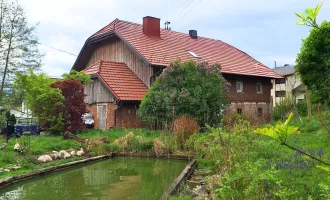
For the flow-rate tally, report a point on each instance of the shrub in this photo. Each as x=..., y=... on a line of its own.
x=302, y=108
x=183, y=127
x=237, y=123
x=74, y=106
x=282, y=109
x=189, y=88
x=46, y=103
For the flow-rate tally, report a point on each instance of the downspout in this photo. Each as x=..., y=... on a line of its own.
x=115, y=117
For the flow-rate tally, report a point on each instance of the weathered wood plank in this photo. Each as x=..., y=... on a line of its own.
x=116, y=51
x=96, y=92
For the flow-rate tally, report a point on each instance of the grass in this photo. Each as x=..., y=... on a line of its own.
x=40, y=145
x=142, y=140
x=255, y=166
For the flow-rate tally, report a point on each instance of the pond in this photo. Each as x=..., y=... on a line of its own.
x=118, y=178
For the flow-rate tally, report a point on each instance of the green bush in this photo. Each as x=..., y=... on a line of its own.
x=197, y=90
x=302, y=108
x=282, y=109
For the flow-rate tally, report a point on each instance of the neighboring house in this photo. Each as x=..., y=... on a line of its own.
x=290, y=86
x=124, y=59
x=23, y=113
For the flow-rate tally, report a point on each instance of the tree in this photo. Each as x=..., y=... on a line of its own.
x=74, y=106
x=81, y=76
x=309, y=17
x=18, y=44
x=313, y=63
x=46, y=103
x=189, y=88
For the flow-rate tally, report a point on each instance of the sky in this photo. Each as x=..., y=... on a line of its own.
x=264, y=29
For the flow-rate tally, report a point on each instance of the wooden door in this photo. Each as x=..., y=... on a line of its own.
x=102, y=116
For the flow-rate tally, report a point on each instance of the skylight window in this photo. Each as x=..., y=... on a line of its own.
x=193, y=54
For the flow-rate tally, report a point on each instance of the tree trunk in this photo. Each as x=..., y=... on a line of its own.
x=7, y=59
x=309, y=109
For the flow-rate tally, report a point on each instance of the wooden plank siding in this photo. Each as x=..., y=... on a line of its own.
x=96, y=92
x=116, y=50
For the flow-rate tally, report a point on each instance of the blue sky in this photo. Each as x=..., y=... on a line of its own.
x=264, y=29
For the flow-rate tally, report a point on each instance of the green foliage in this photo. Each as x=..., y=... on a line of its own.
x=313, y=63
x=187, y=88
x=254, y=167
x=45, y=102
x=302, y=108
x=280, y=132
x=3, y=122
x=81, y=76
x=309, y=17
x=142, y=140
x=180, y=197
x=283, y=109
x=249, y=181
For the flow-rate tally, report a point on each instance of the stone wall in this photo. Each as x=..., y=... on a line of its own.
x=256, y=112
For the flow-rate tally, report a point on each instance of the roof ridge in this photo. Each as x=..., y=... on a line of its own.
x=92, y=65
x=110, y=24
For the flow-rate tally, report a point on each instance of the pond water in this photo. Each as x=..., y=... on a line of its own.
x=118, y=178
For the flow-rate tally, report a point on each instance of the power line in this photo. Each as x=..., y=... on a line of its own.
x=182, y=6
x=190, y=9
x=57, y=49
x=187, y=11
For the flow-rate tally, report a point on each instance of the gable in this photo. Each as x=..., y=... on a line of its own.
x=97, y=92
x=119, y=80
x=115, y=50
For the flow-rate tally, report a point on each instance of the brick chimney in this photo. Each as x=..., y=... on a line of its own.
x=151, y=26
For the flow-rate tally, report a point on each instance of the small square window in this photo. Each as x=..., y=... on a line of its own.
x=239, y=111
x=259, y=88
x=280, y=93
x=259, y=112
x=239, y=86
x=280, y=81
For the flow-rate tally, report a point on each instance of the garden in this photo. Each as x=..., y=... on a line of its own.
x=185, y=114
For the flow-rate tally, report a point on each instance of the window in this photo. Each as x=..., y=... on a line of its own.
x=193, y=54
x=259, y=112
x=239, y=86
x=259, y=88
x=239, y=111
x=280, y=93
x=280, y=81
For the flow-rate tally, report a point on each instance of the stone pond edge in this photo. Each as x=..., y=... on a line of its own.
x=185, y=174
x=180, y=180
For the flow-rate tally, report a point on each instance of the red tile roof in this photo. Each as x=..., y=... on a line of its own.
x=174, y=45
x=123, y=83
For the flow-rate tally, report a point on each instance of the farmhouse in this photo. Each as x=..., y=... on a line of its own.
x=124, y=59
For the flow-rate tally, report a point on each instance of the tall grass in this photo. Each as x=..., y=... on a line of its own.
x=257, y=167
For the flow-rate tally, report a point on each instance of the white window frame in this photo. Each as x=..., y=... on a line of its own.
x=239, y=86
x=261, y=88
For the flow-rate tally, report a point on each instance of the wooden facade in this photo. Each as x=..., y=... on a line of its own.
x=116, y=50
x=97, y=92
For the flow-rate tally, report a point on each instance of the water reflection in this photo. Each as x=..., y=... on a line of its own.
x=121, y=178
